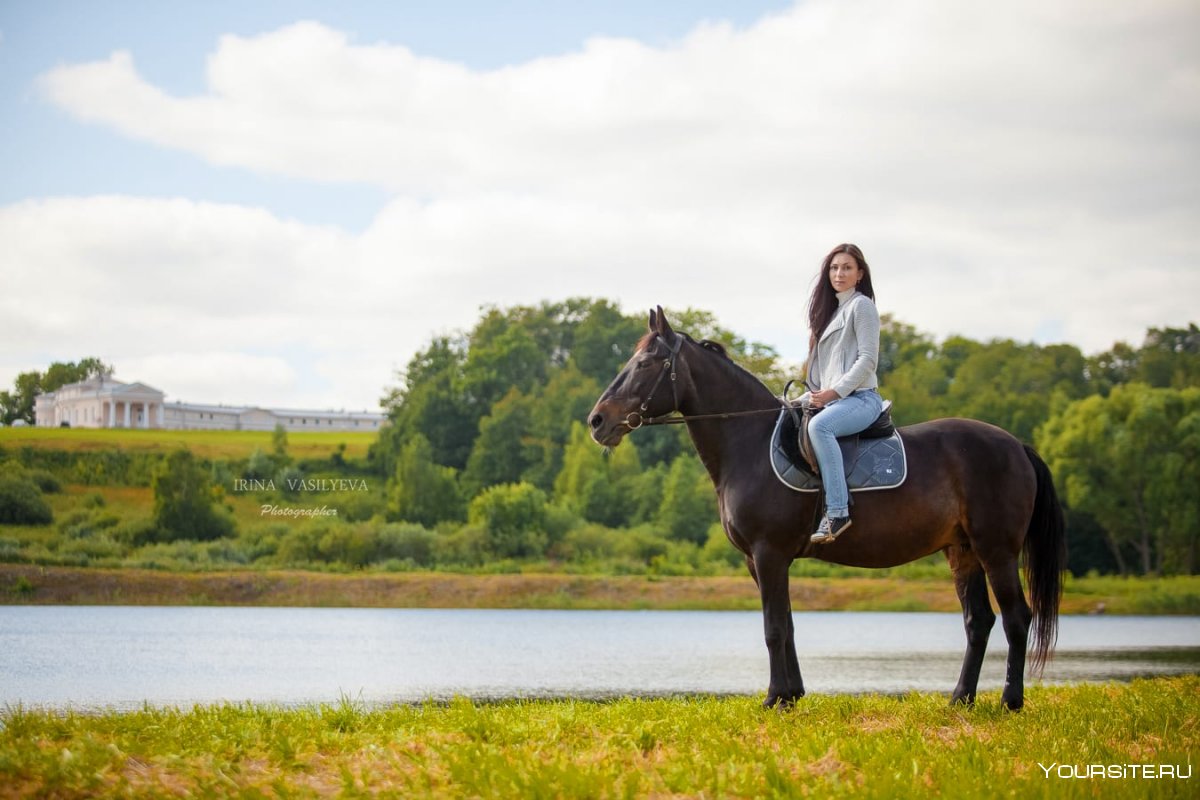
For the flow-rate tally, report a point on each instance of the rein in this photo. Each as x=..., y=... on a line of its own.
x=679, y=419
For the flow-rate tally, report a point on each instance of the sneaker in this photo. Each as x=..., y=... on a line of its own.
x=830, y=529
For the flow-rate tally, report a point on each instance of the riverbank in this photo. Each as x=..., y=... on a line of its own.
x=1127, y=740
x=31, y=584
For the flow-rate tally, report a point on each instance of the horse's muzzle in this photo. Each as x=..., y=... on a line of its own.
x=608, y=428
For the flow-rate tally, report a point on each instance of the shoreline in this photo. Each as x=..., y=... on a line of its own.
x=27, y=584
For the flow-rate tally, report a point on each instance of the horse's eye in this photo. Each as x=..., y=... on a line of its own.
x=645, y=362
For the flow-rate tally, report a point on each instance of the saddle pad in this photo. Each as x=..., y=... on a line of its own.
x=870, y=463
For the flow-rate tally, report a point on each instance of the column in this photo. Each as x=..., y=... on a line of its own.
x=127, y=415
x=161, y=421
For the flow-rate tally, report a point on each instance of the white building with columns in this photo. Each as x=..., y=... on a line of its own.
x=105, y=403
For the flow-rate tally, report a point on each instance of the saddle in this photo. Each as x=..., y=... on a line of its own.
x=881, y=428
x=874, y=458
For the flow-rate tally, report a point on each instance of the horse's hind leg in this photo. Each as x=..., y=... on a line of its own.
x=1016, y=616
x=970, y=583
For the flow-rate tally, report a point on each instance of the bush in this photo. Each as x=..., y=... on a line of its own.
x=643, y=544
x=183, y=501
x=93, y=547
x=406, y=542
x=187, y=555
x=513, y=516
x=289, y=482
x=718, y=548
x=590, y=543
x=84, y=524
x=45, y=481
x=21, y=503
x=463, y=546
x=357, y=506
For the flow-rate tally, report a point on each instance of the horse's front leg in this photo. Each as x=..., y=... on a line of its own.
x=771, y=571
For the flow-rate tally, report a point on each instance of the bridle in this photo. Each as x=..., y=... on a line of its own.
x=672, y=418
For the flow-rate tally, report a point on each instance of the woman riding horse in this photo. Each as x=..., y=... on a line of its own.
x=973, y=491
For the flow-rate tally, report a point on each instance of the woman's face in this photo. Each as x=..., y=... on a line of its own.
x=844, y=272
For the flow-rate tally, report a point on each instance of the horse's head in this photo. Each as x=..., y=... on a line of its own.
x=649, y=385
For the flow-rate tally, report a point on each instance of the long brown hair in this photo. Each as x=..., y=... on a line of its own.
x=824, y=302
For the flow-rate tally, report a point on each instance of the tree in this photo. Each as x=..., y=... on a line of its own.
x=421, y=490
x=430, y=403
x=597, y=487
x=19, y=404
x=566, y=399
x=759, y=359
x=1168, y=358
x=503, y=450
x=513, y=517
x=689, y=506
x=279, y=444
x=604, y=341
x=184, y=501
x=1016, y=386
x=1132, y=461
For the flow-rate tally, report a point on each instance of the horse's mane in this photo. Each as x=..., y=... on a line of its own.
x=708, y=344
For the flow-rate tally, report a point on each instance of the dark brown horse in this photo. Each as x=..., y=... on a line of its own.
x=973, y=491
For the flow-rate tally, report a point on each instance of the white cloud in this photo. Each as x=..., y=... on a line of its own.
x=1009, y=169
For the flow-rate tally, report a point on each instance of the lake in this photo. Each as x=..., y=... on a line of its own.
x=91, y=657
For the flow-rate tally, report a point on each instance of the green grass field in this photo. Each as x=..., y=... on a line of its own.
x=205, y=444
x=913, y=746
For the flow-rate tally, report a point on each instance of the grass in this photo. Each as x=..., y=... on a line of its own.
x=913, y=746
x=204, y=444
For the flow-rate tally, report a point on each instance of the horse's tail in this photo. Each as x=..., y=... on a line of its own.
x=1045, y=560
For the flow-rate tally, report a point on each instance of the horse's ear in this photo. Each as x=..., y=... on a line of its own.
x=660, y=326
x=653, y=324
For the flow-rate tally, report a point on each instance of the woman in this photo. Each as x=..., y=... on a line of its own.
x=843, y=353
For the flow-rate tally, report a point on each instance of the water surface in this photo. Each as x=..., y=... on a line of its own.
x=125, y=656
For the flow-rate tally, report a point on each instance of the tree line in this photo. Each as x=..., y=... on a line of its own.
x=487, y=459
x=487, y=430
x=18, y=404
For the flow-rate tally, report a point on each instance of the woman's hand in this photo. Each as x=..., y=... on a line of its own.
x=823, y=398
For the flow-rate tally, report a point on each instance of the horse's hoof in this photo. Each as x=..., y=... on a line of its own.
x=967, y=700
x=1013, y=705
x=783, y=700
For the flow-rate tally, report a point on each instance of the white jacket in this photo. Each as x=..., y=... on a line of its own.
x=848, y=350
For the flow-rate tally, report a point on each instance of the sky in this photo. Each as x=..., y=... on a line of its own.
x=279, y=203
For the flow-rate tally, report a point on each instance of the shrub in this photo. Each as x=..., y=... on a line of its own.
x=93, y=547
x=357, y=506
x=21, y=503
x=513, y=516
x=406, y=542
x=289, y=482
x=183, y=501
x=590, y=542
x=463, y=546
x=259, y=466
x=719, y=549
x=45, y=481
x=643, y=544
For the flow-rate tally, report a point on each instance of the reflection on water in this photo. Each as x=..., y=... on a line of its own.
x=123, y=657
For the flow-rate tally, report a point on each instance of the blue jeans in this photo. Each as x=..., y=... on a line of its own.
x=842, y=417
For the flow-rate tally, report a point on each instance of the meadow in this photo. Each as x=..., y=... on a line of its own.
x=1142, y=736
x=204, y=444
